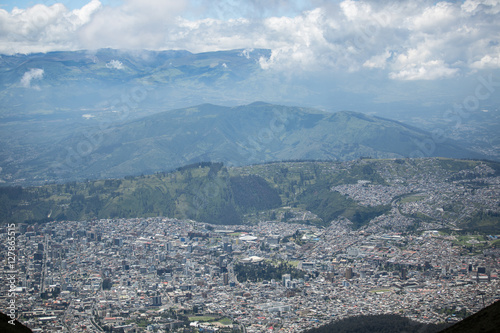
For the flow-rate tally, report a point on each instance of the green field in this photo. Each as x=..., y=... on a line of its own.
x=211, y=319
x=413, y=198
x=225, y=321
x=202, y=318
x=469, y=240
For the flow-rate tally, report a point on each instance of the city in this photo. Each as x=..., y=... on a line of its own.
x=152, y=274
x=280, y=271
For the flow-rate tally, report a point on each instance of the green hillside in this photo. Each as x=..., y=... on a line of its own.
x=298, y=191
x=203, y=192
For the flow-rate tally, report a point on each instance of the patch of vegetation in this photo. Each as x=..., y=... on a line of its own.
x=202, y=318
x=265, y=271
x=483, y=221
x=467, y=240
x=421, y=217
x=203, y=192
x=412, y=198
x=455, y=165
x=453, y=311
x=330, y=205
x=225, y=321
x=253, y=193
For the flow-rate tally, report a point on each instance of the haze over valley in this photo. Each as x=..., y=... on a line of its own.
x=109, y=113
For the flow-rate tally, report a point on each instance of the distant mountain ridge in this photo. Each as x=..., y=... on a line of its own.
x=75, y=80
x=243, y=135
x=62, y=114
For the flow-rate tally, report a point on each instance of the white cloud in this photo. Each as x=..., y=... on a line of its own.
x=489, y=6
x=32, y=74
x=443, y=15
x=84, y=15
x=43, y=28
x=137, y=24
x=115, y=64
x=487, y=61
x=355, y=11
x=409, y=40
x=246, y=53
x=430, y=70
x=298, y=42
x=378, y=61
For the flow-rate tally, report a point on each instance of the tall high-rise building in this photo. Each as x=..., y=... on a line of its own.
x=228, y=247
x=285, y=278
x=348, y=273
x=225, y=278
x=221, y=260
x=403, y=274
x=156, y=300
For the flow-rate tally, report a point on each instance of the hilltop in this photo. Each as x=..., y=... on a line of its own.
x=372, y=194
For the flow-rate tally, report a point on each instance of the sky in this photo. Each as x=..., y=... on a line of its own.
x=401, y=40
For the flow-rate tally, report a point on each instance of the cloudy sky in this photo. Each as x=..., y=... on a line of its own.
x=404, y=40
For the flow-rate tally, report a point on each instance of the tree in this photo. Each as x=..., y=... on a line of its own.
x=107, y=284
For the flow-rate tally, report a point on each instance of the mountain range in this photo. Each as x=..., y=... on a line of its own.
x=243, y=135
x=111, y=113
x=83, y=81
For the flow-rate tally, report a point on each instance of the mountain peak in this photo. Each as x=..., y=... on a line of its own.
x=258, y=103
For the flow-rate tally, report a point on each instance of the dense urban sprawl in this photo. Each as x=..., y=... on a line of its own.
x=83, y=276
x=162, y=274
